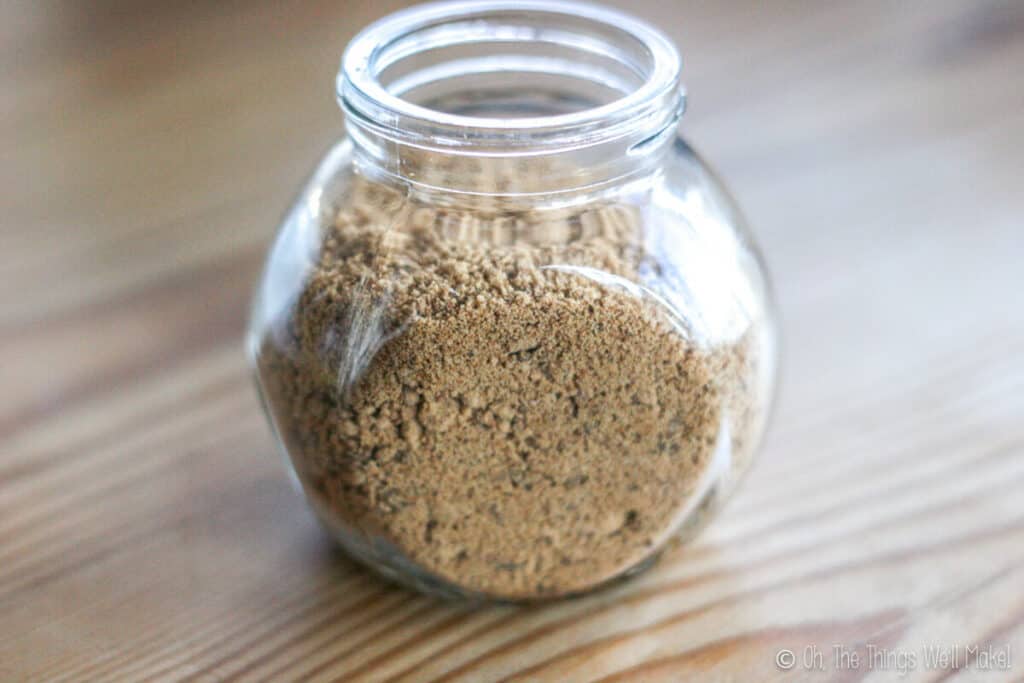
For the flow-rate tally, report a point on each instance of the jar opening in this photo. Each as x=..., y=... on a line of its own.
x=510, y=77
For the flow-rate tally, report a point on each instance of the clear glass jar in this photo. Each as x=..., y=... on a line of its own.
x=513, y=337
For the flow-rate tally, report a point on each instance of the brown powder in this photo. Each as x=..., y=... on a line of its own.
x=482, y=401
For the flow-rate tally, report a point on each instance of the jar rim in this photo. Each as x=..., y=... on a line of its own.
x=644, y=111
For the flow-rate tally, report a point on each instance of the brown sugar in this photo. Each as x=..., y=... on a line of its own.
x=488, y=400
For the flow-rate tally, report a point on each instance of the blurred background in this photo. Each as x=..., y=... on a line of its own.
x=144, y=140
x=149, y=150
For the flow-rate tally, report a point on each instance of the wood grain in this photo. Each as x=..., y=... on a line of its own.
x=148, y=532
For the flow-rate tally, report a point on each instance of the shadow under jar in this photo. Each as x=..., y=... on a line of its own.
x=513, y=337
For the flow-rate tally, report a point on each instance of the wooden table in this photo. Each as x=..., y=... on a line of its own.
x=147, y=530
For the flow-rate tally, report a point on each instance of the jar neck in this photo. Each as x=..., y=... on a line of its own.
x=510, y=98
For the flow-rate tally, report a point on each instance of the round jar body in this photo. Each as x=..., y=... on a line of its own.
x=489, y=390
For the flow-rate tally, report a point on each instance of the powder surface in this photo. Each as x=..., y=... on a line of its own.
x=488, y=400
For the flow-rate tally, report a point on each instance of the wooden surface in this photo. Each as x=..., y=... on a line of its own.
x=148, y=532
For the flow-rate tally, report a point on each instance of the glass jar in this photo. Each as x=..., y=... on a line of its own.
x=513, y=336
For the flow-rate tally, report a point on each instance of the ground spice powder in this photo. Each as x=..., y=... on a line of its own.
x=483, y=400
